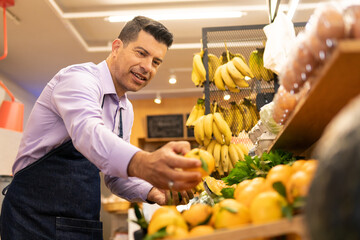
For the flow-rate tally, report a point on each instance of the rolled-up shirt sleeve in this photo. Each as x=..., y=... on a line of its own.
x=132, y=189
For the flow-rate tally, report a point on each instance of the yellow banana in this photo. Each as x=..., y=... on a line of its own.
x=206, y=141
x=219, y=82
x=192, y=116
x=217, y=134
x=243, y=148
x=198, y=66
x=195, y=78
x=236, y=75
x=242, y=67
x=210, y=147
x=239, y=152
x=226, y=77
x=213, y=63
x=220, y=169
x=208, y=125
x=228, y=116
x=238, y=122
x=234, y=157
x=247, y=117
x=225, y=157
x=217, y=154
x=254, y=64
x=199, y=130
x=223, y=127
x=236, y=90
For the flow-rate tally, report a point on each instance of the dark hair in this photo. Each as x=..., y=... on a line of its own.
x=132, y=28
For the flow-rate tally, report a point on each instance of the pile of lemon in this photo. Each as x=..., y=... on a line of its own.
x=255, y=201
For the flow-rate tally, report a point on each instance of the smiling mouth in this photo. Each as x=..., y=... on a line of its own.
x=139, y=76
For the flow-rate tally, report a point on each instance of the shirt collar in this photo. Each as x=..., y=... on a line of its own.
x=108, y=84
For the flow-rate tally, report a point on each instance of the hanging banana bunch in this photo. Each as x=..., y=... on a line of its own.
x=256, y=64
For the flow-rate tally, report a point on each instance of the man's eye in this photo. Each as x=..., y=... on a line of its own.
x=141, y=53
x=156, y=63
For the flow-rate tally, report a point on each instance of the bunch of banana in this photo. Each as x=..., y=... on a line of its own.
x=238, y=119
x=209, y=126
x=213, y=64
x=227, y=56
x=226, y=155
x=256, y=64
x=196, y=112
x=253, y=110
x=232, y=75
x=198, y=74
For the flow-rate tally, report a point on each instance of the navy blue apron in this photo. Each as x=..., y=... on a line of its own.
x=56, y=197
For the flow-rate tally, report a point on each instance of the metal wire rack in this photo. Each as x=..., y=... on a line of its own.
x=243, y=40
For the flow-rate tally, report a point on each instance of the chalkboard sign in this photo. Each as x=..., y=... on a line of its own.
x=165, y=126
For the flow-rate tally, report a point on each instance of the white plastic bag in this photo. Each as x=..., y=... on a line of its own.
x=280, y=38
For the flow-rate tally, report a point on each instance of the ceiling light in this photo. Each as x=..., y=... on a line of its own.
x=157, y=100
x=182, y=14
x=172, y=79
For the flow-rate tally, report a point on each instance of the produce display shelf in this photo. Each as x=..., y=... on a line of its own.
x=273, y=229
x=337, y=82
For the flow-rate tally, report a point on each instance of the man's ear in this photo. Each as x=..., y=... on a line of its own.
x=116, y=45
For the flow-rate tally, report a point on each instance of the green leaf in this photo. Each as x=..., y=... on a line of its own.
x=229, y=209
x=228, y=192
x=280, y=188
x=204, y=165
x=206, y=221
x=161, y=233
x=287, y=212
x=138, y=214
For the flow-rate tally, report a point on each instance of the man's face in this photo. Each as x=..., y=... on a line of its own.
x=133, y=66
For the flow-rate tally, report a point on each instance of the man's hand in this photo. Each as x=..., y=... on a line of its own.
x=165, y=165
x=163, y=197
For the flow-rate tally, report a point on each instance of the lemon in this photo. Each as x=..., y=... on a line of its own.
x=201, y=230
x=279, y=173
x=207, y=161
x=253, y=188
x=298, y=185
x=231, y=213
x=197, y=214
x=164, y=219
x=175, y=232
x=267, y=207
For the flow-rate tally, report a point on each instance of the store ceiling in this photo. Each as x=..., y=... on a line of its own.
x=47, y=35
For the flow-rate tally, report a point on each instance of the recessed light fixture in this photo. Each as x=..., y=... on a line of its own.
x=157, y=99
x=172, y=79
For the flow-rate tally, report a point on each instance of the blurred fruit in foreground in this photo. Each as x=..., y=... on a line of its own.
x=201, y=230
x=267, y=207
x=207, y=161
x=230, y=213
x=197, y=214
x=167, y=216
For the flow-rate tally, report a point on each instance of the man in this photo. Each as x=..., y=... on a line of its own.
x=80, y=125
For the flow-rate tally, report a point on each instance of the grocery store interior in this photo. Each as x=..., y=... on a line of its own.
x=278, y=82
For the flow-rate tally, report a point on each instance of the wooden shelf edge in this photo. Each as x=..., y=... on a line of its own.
x=278, y=228
x=324, y=100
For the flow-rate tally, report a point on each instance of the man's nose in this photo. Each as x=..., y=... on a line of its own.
x=146, y=64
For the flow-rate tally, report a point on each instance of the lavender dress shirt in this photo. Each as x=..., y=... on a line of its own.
x=69, y=107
